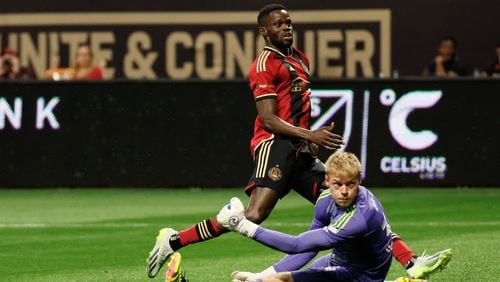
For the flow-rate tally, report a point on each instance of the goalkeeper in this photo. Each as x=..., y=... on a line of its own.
x=348, y=219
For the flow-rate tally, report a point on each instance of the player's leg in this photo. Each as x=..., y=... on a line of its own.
x=272, y=162
x=174, y=270
x=401, y=252
x=262, y=202
x=418, y=266
x=270, y=158
x=309, y=176
x=425, y=265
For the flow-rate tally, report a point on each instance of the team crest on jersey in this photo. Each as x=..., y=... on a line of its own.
x=300, y=85
x=275, y=173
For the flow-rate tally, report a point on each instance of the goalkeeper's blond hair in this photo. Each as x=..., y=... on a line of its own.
x=343, y=164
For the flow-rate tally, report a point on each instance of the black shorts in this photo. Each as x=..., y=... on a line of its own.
x=283, y=164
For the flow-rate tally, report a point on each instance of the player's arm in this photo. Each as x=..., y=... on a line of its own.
x=297, y=261
x=232, y=217
x=267, y=109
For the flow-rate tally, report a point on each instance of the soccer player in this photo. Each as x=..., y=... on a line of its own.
x=283, y=146
x=348, y=219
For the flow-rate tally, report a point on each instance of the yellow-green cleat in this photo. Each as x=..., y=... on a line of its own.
x=425, y=265
x=174, y=271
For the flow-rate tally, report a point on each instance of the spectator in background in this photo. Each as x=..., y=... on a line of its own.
x=494, y=68
x=10, y=66
x=83, y=69
x=446, y=63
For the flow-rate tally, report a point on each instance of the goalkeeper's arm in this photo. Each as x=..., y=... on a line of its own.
x=232, y=217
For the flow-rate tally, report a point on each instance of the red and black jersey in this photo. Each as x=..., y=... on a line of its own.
x=274, y=75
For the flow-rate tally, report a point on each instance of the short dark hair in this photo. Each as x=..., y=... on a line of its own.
x=264, y=12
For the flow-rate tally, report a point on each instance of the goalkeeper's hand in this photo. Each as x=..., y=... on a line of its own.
x=232, y=217
x=243, y=276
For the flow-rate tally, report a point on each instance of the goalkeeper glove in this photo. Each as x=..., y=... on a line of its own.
x=232, y=217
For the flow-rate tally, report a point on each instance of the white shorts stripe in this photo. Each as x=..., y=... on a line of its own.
x=263, y=159
x=258, y=169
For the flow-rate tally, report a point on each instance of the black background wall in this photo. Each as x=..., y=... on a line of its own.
x=183, y=134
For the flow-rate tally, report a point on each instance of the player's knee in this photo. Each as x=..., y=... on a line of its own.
x=256, y=215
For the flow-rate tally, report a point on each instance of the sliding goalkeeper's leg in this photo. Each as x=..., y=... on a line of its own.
x=428, y=264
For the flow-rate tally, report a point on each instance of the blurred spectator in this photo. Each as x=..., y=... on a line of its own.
x=83, y=69
x=10, y=67
x=446, y=61
x=494, y=68
x=55, y=72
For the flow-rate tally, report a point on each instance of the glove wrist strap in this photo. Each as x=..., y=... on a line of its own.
x=247, y=228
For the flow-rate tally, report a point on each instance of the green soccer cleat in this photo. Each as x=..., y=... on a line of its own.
x=424, y=265
x=161, y=251
x=174, y=272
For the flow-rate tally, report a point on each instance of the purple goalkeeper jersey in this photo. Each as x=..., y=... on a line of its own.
x=359, y=236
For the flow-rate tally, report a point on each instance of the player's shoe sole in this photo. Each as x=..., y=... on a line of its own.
x=160, y=252
x=174, y=273
x=427, y=265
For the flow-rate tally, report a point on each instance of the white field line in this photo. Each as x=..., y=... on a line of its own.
x=273, y=224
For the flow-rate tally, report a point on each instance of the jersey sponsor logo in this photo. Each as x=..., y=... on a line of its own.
x=275, y=173
x=264, y=86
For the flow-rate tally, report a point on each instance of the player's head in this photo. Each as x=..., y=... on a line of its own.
x=83, y=55
x=448, y=48
x=275, y=26
x=343, y=176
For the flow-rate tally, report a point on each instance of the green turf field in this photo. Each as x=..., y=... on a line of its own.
x=106, y=234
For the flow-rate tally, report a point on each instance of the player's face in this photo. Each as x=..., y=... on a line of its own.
x=446, y=49
x=344, y=189
x=278, y=29
x=83, y=56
